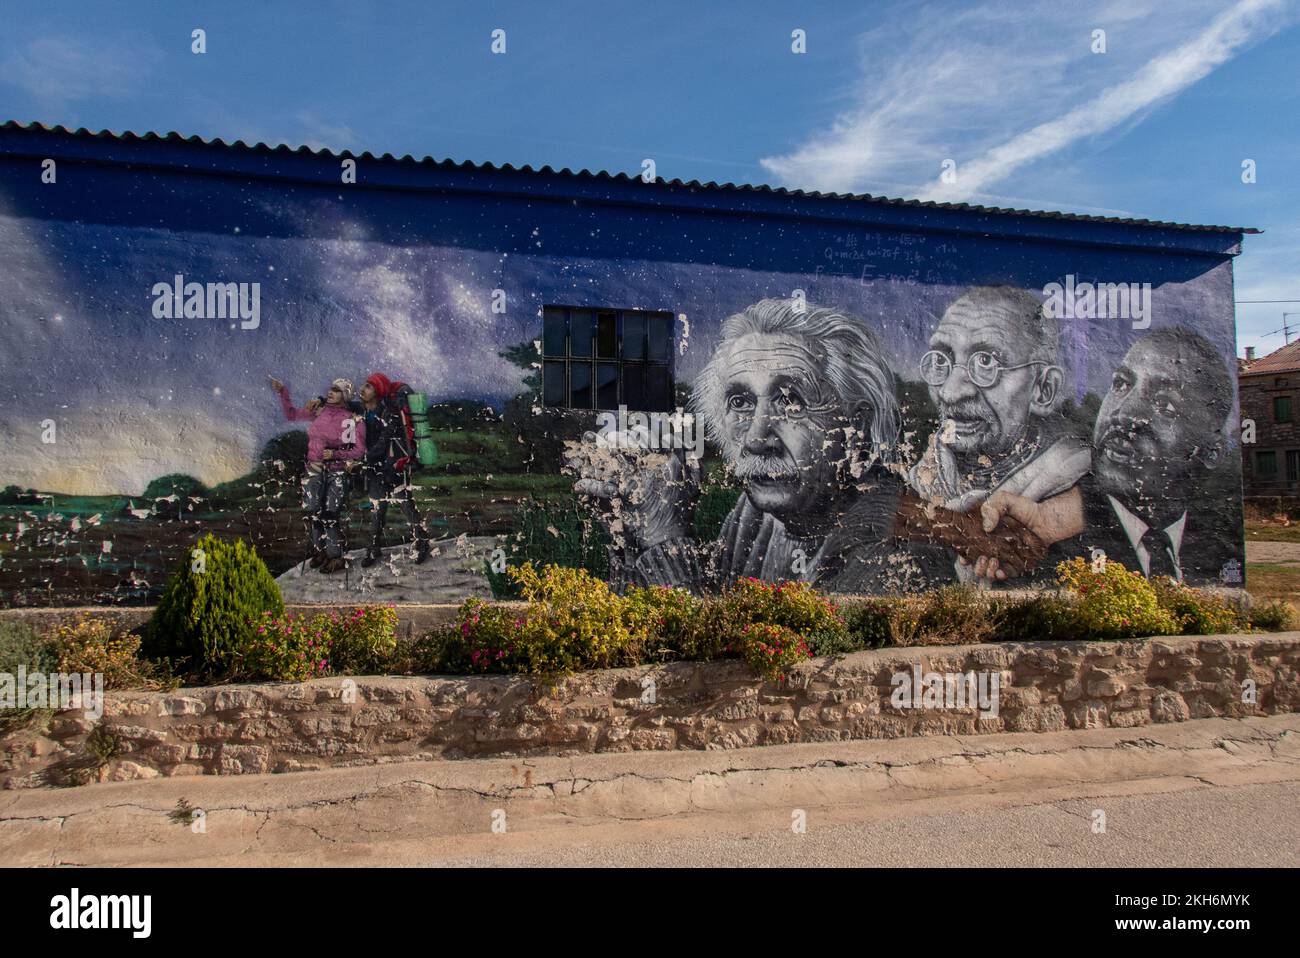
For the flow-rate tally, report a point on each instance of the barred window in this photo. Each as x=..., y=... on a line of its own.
x=606, y=358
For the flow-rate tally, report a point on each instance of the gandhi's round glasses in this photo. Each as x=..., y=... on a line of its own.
x=982, y=368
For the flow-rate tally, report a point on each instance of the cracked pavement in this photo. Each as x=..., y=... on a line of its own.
x=1205, y=792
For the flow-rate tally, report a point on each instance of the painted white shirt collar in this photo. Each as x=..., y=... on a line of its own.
x=1135, y=529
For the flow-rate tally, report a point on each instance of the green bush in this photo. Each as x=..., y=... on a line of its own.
x=1274, y=616
x=552, y=534
x=870, y=622
x=285, y=456
x=830, y=644
x=174, y=484
x=435, y=651
x=718, y=495
x=1041, y=618
x=22, y=645
x=202, y=620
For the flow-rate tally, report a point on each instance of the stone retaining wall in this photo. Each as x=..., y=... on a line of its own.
x=242, y=729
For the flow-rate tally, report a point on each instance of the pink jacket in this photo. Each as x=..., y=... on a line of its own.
x=327, y=430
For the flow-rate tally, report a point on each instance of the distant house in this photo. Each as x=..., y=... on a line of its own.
x=1268, y=390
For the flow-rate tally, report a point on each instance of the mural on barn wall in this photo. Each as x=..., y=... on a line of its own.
x=884, y=410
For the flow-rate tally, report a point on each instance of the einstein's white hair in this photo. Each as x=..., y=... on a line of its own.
x=848, y=354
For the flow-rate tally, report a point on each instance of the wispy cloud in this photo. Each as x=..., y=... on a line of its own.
x=319, y=133
x=59, y=70
x=996, y=89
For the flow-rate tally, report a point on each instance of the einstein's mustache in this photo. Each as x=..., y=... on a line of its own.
x=748, y=466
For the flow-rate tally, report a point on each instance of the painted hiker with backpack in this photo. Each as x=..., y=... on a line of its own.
x=336, y=443
x=395, y=419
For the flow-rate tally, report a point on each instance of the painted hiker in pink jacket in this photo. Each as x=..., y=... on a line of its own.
x=336, y=444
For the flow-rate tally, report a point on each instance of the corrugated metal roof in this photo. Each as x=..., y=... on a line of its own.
x=262, y=148
x=1284, y=360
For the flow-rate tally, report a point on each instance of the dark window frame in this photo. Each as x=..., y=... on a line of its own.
x=608, y=357
x=1262, y=456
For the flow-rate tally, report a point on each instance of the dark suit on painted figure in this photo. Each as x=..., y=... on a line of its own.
x=1160, y=497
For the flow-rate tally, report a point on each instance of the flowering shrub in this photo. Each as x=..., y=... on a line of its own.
x=483, y=637
x=1115, y=603
x=771, y=625
x=89, y=645
x=364, y=640
x=573, y=621
x=1197, y=612
x=293, y=647
x=670, y=620
x=771, y=649
x=287, y=648
x=795, y=605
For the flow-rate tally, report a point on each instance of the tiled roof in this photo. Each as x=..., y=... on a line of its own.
x=1284, y=360
x=282, y=149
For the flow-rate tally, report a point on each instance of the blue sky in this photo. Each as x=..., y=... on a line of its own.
x=1156, y=126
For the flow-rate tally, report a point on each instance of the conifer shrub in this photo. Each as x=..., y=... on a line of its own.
x=202, y=620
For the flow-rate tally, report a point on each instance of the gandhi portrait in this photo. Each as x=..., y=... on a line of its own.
x=992, y=371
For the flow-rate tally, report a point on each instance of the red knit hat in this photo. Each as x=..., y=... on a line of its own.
x=381, y=383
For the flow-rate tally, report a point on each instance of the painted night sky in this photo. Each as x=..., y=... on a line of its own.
x=137, y=397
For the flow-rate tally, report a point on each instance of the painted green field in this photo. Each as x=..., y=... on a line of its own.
x=78, y=549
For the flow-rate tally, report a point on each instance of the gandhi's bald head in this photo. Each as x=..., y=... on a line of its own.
x=992, y=367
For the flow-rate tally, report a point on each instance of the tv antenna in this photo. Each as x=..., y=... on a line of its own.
x=1285, y=329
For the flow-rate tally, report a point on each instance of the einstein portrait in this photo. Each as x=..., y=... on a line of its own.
x=800, y=402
